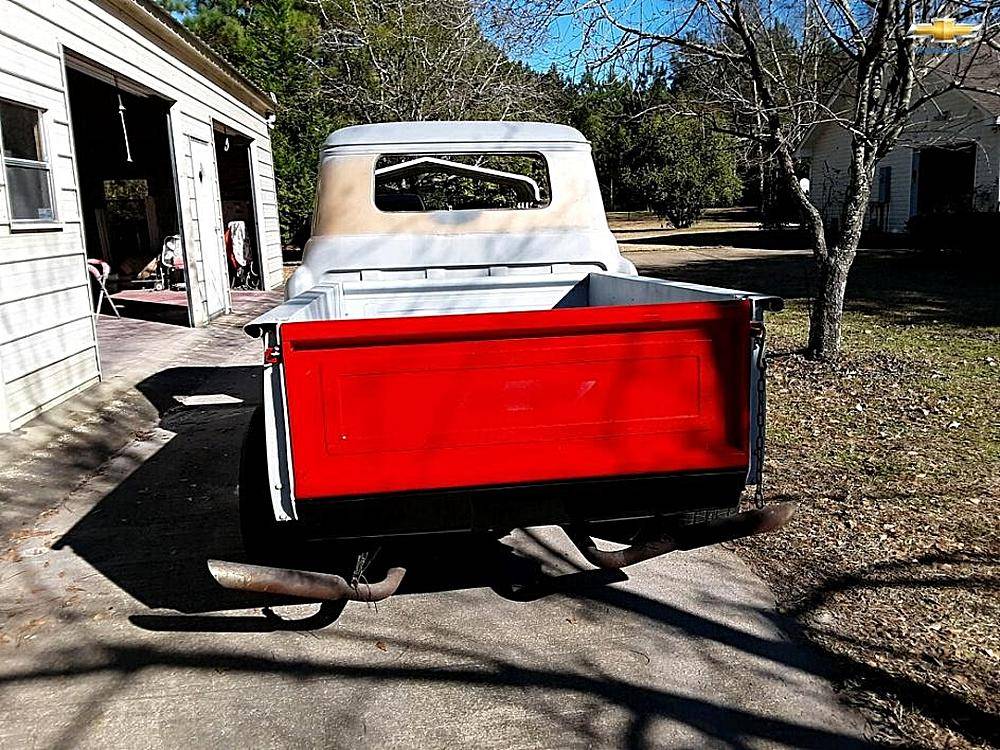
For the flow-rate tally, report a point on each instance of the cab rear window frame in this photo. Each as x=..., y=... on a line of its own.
x=447, y=155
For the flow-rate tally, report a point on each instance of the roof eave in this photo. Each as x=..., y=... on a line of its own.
x=187, y=47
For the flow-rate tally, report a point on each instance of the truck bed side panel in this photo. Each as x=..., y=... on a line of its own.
x=390, y=405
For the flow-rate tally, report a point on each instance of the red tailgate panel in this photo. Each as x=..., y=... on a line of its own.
x=400, y=404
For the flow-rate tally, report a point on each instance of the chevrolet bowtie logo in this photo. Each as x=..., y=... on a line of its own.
x=943, y=30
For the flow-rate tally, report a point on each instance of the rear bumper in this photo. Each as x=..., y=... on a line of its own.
x=505, y=508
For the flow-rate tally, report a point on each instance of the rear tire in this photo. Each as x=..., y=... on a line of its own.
x=264, y=537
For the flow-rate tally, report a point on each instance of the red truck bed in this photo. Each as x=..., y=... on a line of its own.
x=387, y=405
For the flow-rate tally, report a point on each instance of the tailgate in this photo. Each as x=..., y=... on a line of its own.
x=405, y=404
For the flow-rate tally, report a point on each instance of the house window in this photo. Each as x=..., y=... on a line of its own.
x=25, y=164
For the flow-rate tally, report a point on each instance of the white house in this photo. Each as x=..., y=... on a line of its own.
x=948, y=158
x=119, y=129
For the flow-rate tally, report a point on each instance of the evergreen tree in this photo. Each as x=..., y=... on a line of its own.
x=275, y=43
x=332, y=63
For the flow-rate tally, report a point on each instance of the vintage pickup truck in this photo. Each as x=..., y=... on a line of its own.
x=465, y=348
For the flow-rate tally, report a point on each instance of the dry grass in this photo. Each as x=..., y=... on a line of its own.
x=892, y=565
x=713, y=218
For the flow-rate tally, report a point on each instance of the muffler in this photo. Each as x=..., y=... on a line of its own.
x=304, y=584
x=684, y=537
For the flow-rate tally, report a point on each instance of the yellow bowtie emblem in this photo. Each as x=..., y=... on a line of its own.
x=943, y=30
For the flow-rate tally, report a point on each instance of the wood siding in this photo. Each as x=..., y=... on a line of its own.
x=48, y=347
x=954, y=118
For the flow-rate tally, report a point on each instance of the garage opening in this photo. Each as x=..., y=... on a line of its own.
x=127, y=193
x=232, y=157
x=946, y=178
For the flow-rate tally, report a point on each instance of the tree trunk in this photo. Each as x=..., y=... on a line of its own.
x=828, y=307
x=833, y=266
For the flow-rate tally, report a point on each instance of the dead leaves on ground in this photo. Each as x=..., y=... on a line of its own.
x=893, y=563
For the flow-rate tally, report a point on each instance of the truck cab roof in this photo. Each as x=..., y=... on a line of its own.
x=494, y=135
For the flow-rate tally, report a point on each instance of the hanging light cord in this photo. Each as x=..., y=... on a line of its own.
x=121, y=115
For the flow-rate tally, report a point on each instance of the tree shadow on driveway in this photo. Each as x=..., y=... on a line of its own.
x=713, y=721
x=152, y=534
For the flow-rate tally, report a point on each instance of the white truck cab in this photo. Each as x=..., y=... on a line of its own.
x=384, y=210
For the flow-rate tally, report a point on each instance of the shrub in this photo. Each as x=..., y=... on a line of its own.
x=681, y=169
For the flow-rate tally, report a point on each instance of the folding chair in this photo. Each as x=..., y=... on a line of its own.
x=99, y=272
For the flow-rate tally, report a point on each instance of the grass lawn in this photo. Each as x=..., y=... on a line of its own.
x=893, y=454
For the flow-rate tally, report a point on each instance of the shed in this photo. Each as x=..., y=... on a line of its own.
x=120, y=131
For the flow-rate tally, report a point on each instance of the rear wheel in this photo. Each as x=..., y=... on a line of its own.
x=264, y=537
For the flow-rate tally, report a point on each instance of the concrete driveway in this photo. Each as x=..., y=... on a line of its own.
x=112, y=634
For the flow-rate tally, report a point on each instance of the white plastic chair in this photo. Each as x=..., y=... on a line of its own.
x=99, y=272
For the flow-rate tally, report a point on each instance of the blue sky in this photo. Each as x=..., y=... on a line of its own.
x=559, y=43
x=559, y=46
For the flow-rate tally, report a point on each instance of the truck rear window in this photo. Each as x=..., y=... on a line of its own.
x=459, y=182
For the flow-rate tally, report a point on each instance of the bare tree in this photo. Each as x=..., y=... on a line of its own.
x=420, y=60
x=770, y=72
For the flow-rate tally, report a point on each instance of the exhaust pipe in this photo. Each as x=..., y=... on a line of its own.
x=748, y=523
x=302, y=583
